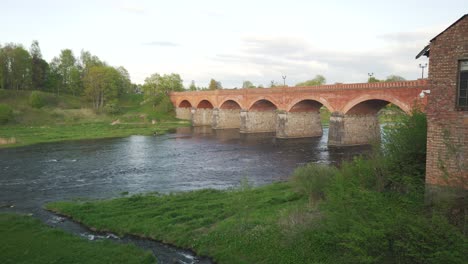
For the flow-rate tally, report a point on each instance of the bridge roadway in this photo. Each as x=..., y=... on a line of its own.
x=293, y=112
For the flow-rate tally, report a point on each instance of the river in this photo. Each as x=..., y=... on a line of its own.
x=188, y=159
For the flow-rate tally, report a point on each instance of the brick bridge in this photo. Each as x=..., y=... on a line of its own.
x=293, y=112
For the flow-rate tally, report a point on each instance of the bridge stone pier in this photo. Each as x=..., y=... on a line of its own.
x=302, y=120
x=184, y=111
x=203, y=114
x=360, y=124
x=294, y=112
x=261, y=118
x=227, y=116
x=347, y=130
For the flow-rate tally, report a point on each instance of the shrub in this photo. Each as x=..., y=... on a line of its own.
x=164, y=105
x=36, y=99
x=404, y=150
x=3, y=93
x=112, y=108
x=375, y=210
x=6, y=114
x=312, y=179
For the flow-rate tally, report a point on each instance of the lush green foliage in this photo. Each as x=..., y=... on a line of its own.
x=36, y=100
x=390, y=78
x=394, y=78
x=214, y=85
x=317, y=80
x=192, y=86
x=6, y=114
x=26, y=240
x=312, y=180
x=15, y=67
x=375, y=211
x=404, y=151
x=86, y=76
x=248, y=84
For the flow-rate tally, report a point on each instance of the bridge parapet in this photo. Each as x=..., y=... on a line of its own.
x=317, y=88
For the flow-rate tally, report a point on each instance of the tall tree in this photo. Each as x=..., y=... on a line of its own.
x=171, y=83
x=124, y=81
x=1, y=68
x=65, y=65
x=214, y=85
x=372, y=79
x=192, y=86
x=94, y=85
x=157, y=87
x=248, y=84
x=15, y=64
x=88, y=60
x=317, y=80
x=102, y=85
x=394, y=78
x=39, y=67
x=151, y=87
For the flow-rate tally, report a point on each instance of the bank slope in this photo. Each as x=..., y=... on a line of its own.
x=25, y=240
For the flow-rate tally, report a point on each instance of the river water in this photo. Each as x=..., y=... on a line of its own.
x=188, y=159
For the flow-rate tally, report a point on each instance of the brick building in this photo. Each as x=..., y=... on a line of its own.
x=447, y=109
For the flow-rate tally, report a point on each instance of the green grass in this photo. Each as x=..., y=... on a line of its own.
x=325, y=116
x=275, y=224
x=27, y=135
x=235, y=226
x=26, y=240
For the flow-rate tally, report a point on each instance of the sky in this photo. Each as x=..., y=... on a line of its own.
x=234, y=41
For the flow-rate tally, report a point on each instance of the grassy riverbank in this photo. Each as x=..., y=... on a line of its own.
x=25, y=240
x=70, y=118
x=27, y=135
x=367, y=211
x=230, y=226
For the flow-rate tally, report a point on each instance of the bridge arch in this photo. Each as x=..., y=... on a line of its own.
x=204, y=103
x=372, y=104
x=263, y=99
x=321, y=101
x=262, y=104
x=185, y=104
x=230, y=104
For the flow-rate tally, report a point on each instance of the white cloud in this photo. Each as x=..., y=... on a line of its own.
x=161, y=43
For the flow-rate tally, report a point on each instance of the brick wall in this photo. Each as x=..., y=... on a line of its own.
x=447, y=139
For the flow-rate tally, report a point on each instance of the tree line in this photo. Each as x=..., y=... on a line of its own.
x=85, y=75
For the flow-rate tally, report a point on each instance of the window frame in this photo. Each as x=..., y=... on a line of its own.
x=457, y=105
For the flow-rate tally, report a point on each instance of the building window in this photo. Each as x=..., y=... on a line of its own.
x=462, y=95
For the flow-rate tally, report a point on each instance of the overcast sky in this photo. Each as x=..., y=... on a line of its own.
x=233, y=41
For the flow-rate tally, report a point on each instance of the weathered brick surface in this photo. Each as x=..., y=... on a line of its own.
x=447, y=138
